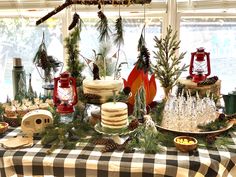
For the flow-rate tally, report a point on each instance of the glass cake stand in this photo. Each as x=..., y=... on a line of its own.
x=115, y=134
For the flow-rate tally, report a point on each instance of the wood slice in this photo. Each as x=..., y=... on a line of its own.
x=202, y=90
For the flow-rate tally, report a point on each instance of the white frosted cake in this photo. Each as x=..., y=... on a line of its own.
x=101, y=90
x=114, y=115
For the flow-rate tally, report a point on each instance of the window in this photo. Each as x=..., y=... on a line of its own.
x=21, y=38
x=132, y=31
x=217, y=36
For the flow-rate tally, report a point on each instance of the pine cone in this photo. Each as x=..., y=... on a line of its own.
x=133, y=124
x=102, y=141
x=123, y=146
x=91, y=96
x=210, y=139
x=110, y=146
x=208, y=81
x=101, y=15
x=74, y=21
x=221, y=117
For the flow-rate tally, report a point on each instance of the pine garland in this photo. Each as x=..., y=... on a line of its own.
x=75, y=67
x=144, y=139
x=65, y=134
x=219, y=123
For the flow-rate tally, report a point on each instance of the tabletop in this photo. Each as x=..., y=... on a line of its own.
x=88, y=160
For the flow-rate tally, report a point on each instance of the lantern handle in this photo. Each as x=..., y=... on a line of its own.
x=75, y=99
x=208, y=63
x=55, y=94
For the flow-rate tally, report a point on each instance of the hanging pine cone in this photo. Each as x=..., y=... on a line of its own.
x=208, y=81
x=133, y=124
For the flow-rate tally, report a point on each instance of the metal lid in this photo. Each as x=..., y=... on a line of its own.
x=17, y=62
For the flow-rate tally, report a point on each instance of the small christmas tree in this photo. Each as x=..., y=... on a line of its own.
x=167, y=68
x=140, y=104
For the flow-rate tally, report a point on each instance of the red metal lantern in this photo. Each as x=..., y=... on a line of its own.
x=199, y=67
x=64, y=93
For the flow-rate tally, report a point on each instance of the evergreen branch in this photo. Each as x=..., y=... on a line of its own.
x=102, y=27
x=75, y=67
x=141, y=41
x=119, y=40
x=167, y=68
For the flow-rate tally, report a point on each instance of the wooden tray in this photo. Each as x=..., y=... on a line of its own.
x=230, y=124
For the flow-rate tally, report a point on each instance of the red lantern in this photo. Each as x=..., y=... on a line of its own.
x=199, y=66
x=64, y=93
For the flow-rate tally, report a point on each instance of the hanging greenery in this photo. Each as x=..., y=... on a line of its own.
x=167, y=68
x=141, y=41
x=75, y=67
x=118, y=40
x=103, y=61
x=48, y=63
x=118, y=36
x=102, y=27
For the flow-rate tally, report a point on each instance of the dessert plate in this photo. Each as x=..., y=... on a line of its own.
x=112, y=132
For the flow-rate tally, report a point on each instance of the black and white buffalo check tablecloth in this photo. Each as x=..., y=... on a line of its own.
x=87, y=160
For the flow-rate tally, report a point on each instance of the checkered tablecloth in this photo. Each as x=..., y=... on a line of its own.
x=87, y=160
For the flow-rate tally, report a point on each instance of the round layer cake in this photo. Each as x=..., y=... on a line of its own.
x=114, y=115
x=99, y=91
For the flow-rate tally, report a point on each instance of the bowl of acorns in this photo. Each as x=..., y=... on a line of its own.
x=185, y=143
x=3, y=127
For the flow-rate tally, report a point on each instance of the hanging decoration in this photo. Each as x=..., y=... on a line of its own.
x=47, y=63
x=102, y=27
x=76, y=20
x=139, y=75
x=119, y=40
x=88, y=2
x=74, y=65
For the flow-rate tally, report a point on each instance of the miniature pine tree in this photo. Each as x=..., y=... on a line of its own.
x=30, y=93
x=140, y=104
x=167, y=68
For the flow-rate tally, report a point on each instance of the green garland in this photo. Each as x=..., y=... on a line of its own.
x=75, y=67
x=65, y=134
